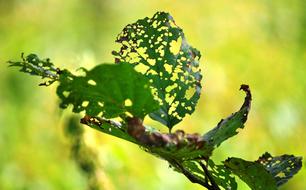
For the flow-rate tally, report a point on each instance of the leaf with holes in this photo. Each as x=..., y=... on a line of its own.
x=252, y=173
x=282, y=168
x=158, y=48
x=108, y=89
x=222, y=176
x=227, y=128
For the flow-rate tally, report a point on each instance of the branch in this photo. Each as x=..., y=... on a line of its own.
x=98, y=121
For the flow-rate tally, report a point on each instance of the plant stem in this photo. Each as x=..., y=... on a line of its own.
x=208, y=176
x=193, y=178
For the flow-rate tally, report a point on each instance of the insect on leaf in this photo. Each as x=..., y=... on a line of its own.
x=158, y=48
x=110, y=90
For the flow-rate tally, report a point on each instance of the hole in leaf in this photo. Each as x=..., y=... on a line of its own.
x=175, y=46
x=101, y=104
x=128, y=103
x=190, y=92
x=85, y=103
x=170, y=88
x=66, y=94
x=168, y=68
x=141, y=68
x=151, y=61
x=128, y=114
x=92, y=82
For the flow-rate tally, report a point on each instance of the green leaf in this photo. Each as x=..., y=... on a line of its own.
x=282, y=168
x=252, y=173
x=33, y=65
x=219, y=173
x=227, y=128
x=158, y=48
x=109, y=90
x=222, y=176
x=194, y=168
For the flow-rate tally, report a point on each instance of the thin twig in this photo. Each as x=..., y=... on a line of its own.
x=208, y=176
x=190, y=176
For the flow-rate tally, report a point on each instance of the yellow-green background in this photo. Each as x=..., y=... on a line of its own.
x=261, y=43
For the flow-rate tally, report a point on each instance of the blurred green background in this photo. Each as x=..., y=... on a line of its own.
x=258, y=42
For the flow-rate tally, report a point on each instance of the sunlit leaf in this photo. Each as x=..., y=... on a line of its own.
x=252, y=173
x=158, y=48
x=110, y=90
x=282, y=168
x=227, y=128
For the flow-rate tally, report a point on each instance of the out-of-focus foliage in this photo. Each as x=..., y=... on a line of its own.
x=84, y=157
x=261, y=43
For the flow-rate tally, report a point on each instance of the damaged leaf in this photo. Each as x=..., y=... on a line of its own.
x=222, y=176
x=108, y=90
x=33, y=65
x=158, y=48
x=252, y=173
x=227, y=128
x=282, y=168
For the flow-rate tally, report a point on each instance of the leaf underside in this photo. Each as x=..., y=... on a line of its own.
x=157, y=47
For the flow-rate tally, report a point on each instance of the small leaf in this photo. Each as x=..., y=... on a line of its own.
x=33, y=65
x=105, y=90
x=157, y=47
x=282, y=168
x=252, y=173
x=227, y=128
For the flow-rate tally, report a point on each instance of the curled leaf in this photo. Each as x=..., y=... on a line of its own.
x=227, y=128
